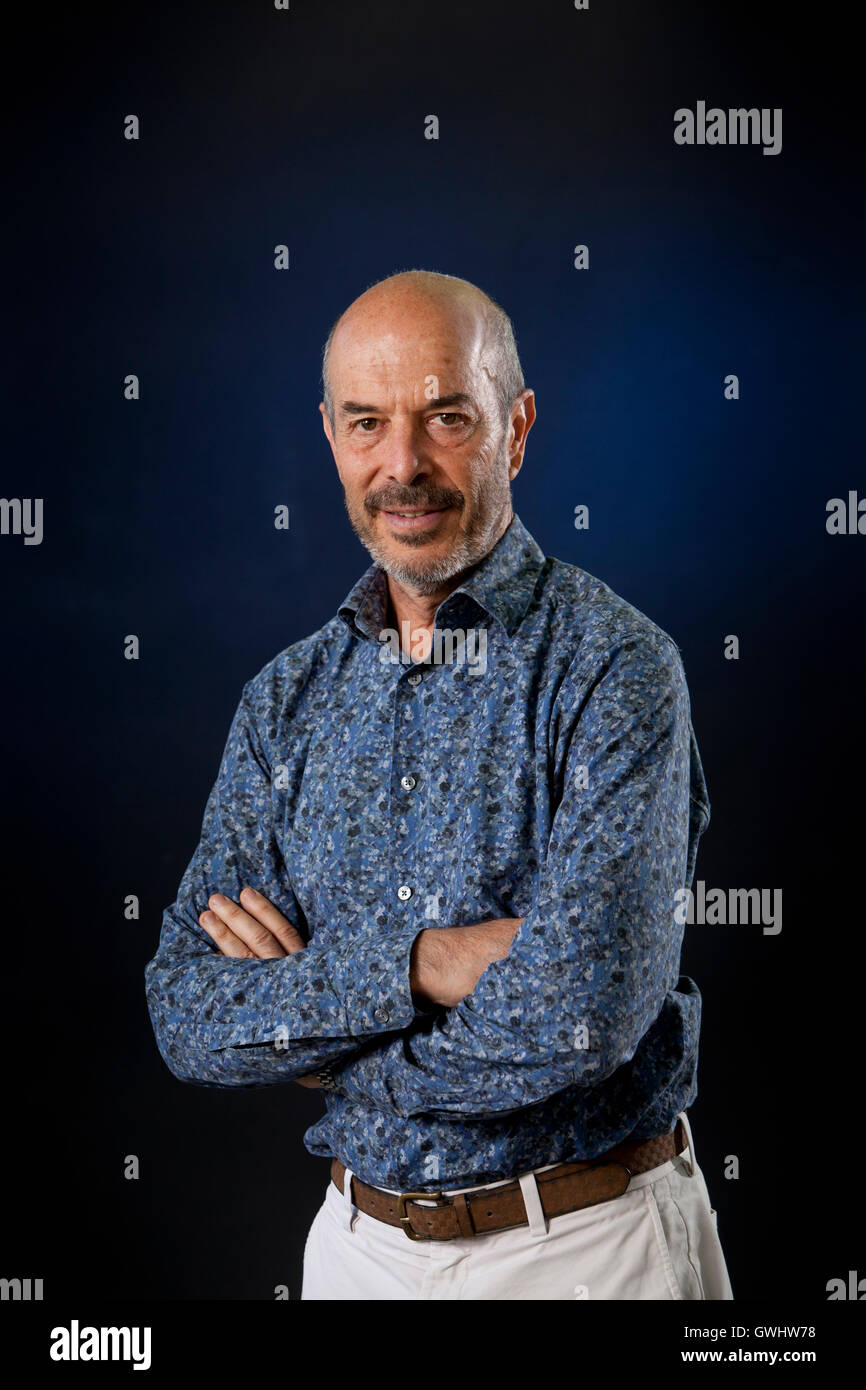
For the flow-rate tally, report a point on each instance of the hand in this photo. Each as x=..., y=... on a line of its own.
x=258, y=930
x=447, y=963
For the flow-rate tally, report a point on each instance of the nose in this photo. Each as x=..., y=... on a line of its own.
x=405, y=459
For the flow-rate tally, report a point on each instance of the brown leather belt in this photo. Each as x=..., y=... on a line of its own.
x=566, y=1187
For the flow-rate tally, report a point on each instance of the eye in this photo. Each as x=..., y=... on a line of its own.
x=448, y=415
x=367, y=420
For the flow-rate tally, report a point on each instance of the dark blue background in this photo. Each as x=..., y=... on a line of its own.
x=156, y=257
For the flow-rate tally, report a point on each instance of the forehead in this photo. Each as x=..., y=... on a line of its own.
x=404, y=341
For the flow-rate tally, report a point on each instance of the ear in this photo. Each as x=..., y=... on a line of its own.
x=521, y=422
x=326, y=425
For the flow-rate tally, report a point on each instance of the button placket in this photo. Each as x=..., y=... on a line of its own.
x=408, y=752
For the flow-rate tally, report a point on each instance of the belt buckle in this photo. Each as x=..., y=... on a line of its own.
x=406, y=1221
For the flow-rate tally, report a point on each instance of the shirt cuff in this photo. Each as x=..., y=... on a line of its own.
x=377, y=997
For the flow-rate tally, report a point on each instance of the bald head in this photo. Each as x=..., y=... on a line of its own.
x=424, y=298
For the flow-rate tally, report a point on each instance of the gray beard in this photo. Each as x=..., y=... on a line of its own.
x=427, y=577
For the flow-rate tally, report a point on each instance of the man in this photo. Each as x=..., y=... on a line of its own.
x=438, y=870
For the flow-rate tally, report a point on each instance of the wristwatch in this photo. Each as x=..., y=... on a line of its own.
x=326, y=1078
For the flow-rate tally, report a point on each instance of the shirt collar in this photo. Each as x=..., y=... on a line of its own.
x=502, y=584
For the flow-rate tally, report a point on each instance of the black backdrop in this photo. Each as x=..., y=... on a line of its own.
x=156, y=257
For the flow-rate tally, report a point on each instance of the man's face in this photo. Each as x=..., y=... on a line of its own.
x=423, y=453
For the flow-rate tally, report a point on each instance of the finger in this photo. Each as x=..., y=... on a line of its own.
x=260, y=941
x=258, y=906
x=226, y=940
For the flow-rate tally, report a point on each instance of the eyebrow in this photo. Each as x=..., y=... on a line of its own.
x=440, y=403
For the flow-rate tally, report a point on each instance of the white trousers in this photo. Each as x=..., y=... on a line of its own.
x=657, y=1241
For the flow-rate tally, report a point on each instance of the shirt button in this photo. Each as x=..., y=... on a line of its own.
x=404, y=892
x=414, y=679
x=407, y=782
x=382, y=1015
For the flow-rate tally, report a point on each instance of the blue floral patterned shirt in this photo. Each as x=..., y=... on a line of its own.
x=543, y=765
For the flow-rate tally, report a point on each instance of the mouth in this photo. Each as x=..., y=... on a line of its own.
x=414, y=518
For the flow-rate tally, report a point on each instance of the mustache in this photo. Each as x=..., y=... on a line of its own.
x=425, y=495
